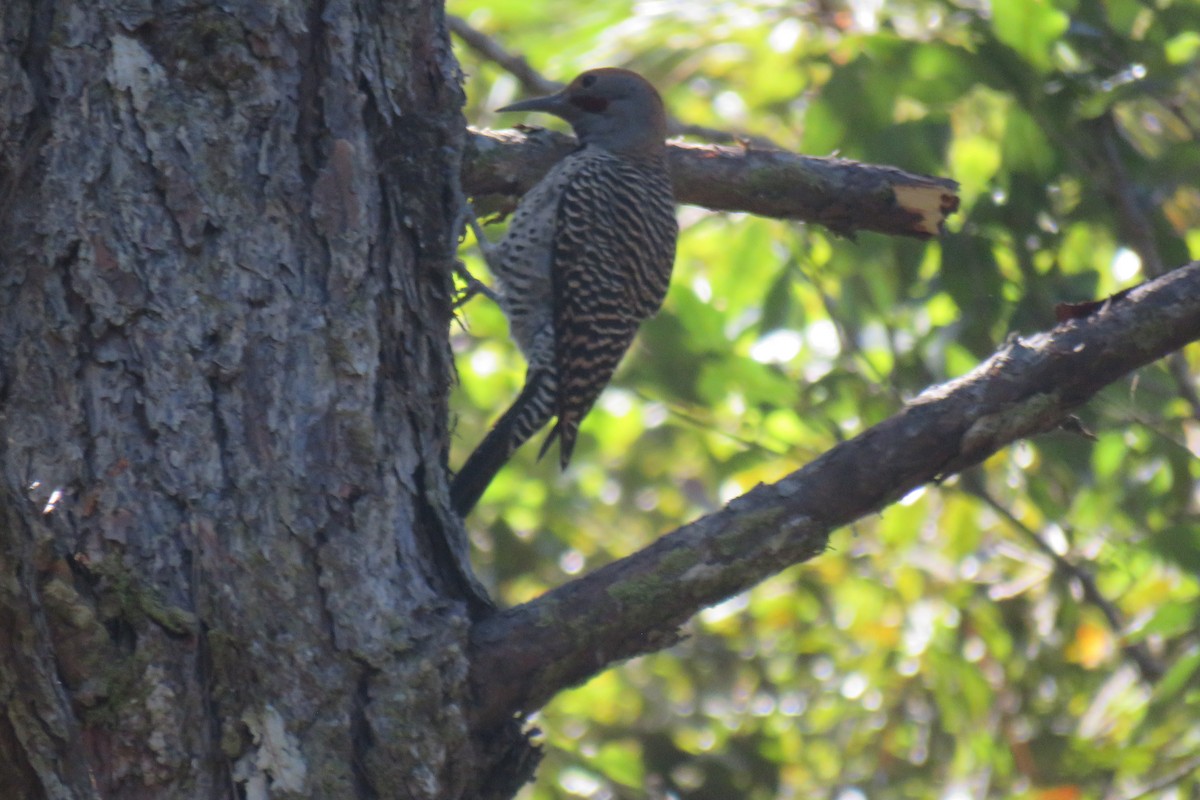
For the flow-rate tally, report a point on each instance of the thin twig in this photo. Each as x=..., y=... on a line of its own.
x=488, y=48
x=1132, y=218
x=1188, y=769
x=1137, y=652
x=533, y=82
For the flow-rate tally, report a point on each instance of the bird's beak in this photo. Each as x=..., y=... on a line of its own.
x=550, y=104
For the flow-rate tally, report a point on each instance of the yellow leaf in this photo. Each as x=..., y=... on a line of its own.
x=1091, y=646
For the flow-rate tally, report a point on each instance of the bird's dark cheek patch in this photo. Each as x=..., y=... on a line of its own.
x=589, y=103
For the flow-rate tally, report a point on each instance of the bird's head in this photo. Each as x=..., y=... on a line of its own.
x=611, y=108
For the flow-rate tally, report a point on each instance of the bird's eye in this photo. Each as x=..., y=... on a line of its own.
x=587, y=81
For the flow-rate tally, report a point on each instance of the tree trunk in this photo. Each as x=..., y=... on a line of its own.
x=228, y=567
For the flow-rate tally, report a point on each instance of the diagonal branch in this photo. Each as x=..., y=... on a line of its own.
x=523, y=656
x=844, y=196
x=534, y=83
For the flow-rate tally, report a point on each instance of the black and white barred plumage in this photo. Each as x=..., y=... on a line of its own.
x=586, y=259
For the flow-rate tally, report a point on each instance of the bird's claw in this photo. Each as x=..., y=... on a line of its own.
x=473, y=287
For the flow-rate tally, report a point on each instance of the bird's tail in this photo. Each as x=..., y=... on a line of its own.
x=529, y=412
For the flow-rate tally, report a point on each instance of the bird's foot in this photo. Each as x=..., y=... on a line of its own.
x=486, y=248
x=475, y=286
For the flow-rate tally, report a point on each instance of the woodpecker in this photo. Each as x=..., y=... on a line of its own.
x=586, y=258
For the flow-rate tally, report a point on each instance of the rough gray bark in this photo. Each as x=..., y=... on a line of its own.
x=225, y=238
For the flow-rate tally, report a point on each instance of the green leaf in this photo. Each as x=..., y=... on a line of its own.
x=1031, y=27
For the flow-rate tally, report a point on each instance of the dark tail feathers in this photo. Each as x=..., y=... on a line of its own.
x=529, y=412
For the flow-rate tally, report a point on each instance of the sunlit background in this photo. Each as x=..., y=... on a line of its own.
x=1027, y=630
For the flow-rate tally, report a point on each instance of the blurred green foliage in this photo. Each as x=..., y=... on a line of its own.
x=935, y=650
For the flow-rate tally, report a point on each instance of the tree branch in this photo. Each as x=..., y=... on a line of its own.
x=489, y=49
x=844, y=196
x=523, y=656
x=756, y=177
x=534, y=83
x=1135, y=225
